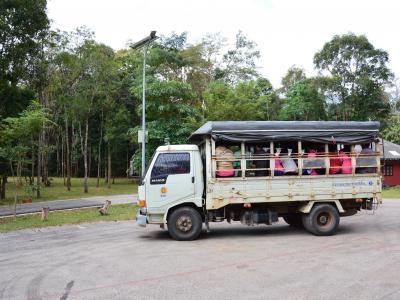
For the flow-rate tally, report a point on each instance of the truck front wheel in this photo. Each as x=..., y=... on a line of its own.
x=322, y=220
x=184, y=224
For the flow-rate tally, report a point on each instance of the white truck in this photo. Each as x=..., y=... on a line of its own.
x=310, y=173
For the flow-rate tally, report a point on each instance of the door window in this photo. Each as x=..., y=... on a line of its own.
x=169, y=164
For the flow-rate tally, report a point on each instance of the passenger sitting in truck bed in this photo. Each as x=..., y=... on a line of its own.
x=335, y=164
x=224, y=162
x=279, y=170
x=366, y=160
x=289, y=165
x=310, y=162
x=259, y=152
x=236, y=164
x=346, y=162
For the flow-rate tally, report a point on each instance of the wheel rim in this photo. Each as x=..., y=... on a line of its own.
x=184, y=223
x=324, y=219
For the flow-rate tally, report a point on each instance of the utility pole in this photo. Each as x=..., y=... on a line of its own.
x=142, y=137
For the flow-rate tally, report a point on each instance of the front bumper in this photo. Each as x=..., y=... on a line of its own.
x=141, y=217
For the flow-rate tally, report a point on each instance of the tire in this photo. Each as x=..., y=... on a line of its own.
x=323, y=220
x=294, y=220
x=184, y=224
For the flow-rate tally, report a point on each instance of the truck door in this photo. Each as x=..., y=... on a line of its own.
x=171, y=180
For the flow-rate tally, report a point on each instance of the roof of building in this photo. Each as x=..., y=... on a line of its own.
x=313, y=131
x=391, y=150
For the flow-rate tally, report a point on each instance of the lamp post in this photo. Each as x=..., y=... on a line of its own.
x=145, y=44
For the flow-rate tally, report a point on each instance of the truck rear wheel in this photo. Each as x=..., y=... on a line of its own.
x=323, y=220
x=184, y=224
x=294, y=220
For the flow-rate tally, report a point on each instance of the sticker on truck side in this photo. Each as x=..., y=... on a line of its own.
x=347, y=184
x=159, y=179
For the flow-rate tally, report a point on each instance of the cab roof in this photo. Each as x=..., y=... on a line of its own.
x=185, y=147
x=346, y=132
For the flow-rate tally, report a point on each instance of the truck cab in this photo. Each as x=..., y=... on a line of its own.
x=174, y=178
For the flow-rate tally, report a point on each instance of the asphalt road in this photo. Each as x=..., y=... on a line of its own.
x=119, y=260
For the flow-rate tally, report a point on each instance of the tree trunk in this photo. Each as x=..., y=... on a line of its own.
x=45, y=213
x=19, y=173
x=109, y=165
x=58, y=157
x=3, y=187
x=74, y=159
x=39, y=166
x=127, y=162
x=90, y=161
x=85, y=156
x=67, y=138
x=45, y=160
x=16, y=189
x=31, y=180
x=104, y=210
x=45, y=171
x=105, y=172
x=99, y=151
x=62, y=158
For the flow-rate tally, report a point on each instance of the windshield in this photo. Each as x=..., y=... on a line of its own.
x=147, y=168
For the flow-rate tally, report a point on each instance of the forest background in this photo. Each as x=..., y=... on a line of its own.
x=71, y=106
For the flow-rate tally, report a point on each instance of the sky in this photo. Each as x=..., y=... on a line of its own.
x=287, y=32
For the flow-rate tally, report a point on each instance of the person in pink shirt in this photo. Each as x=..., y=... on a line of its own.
x=346, y=162
x=279, y=171
x=312, y=154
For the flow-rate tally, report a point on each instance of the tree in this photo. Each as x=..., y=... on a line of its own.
x=96, y=73
x=22, y=23
x=356, y=74
x=253, y=100
x=304, y=102
x=171, y=105
x=292, y=76
x=392, y=131
x=116, y=133
x=394, y=95
x=19, y=136
x=239, y=63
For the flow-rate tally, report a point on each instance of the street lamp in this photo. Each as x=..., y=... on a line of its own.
x=145, y=44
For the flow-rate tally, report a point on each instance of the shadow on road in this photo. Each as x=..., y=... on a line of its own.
x=236, y=230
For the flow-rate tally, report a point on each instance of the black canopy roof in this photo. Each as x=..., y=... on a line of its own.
x=312, y=131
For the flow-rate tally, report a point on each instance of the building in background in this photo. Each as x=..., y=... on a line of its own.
x=391, y=164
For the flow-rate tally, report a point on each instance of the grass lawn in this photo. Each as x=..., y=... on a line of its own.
x=76, y=216
x=393, y=192
x=57, y=190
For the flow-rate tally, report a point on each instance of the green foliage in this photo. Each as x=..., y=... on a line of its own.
x=392, y=131
x=117, y=126
x=239, y=63
x=303, y=102
x=91, y=95
x=292, y=76
x=253, y=100
x=13, y=99
x=357, y=73
x=22, y=25
x=19, y=134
